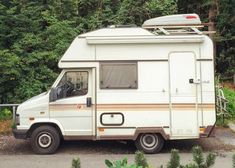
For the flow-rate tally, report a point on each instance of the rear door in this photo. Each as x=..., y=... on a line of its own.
x=183, y=94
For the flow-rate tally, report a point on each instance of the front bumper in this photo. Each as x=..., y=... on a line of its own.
x=20, y=134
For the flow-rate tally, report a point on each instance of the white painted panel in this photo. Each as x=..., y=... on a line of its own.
x=207, y=48
x=184, y=123
x=182, y=68
x=141, y=118
x=79, y=50
x=207, y=79
x=116, y=131
x=127, y=97
x=76, y=125
x=209, y=117
x=153, y=76
x=140, y=51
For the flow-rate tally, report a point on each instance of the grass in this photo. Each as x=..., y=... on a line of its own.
x=229, y=94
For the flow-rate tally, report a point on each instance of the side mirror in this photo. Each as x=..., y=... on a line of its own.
x=53, y=95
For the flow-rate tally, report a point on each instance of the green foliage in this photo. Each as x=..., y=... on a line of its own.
x=225, y=29
x=140, y=160
x=120, y=164
x=198, y=158
x=174, y=160
x=230, y=96
x=200, y=161
x=76, y=163
x=233, y=160
x=5, y=114
x=35, y=34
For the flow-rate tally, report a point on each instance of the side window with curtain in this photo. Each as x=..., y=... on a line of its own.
x=74, y=83
x=118, y=75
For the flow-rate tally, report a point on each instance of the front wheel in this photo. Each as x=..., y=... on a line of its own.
x=149, y=143
x=45, y=140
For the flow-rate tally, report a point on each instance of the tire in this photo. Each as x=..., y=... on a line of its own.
x=149, y=143
x=45, y=140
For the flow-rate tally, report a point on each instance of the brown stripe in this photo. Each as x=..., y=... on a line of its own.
x=131, y=107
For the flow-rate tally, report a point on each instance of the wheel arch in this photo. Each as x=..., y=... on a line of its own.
x=37, y=124
x=156, y=130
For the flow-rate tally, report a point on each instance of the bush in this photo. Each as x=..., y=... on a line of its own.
x=230, y=96
x=76, y=163
x=119, y=164
x=5, y=114
x=198, y=158
x=174, y=160
x=140, y=160
x=233, y=160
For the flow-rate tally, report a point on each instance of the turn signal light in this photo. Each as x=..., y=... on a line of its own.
x=101, y=129
x=202, y=129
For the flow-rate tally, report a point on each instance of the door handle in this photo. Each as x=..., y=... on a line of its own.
x=88, y=102
x=191, y=81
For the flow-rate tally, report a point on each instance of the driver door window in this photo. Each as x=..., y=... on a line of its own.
x=73, y=84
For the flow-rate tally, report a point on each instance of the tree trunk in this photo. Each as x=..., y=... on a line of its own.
x=212, y=14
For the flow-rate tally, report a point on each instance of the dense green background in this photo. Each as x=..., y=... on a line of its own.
x=34, y=34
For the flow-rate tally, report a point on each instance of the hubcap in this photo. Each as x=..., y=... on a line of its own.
x=149, y=141
x=44, y=140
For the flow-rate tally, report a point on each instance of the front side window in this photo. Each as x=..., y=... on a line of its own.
x=118, y=75
x=73, y=84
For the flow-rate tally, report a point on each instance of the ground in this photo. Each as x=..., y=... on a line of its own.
x=17, y=153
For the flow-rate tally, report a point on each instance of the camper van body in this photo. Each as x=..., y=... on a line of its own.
x=127, y=84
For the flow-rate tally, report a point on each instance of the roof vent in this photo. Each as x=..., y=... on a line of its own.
x=174, y=20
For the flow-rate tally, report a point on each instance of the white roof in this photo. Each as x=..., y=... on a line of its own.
x=106, y=32
x=181, y=19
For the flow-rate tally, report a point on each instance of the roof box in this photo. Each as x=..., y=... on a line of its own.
x=173, y=20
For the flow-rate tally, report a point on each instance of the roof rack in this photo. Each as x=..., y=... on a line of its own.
x=176, y=25
x=177, y=29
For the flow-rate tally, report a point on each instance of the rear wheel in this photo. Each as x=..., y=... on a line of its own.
x=149, y=143
x=45, y=140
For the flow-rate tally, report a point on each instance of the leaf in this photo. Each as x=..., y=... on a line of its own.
x=108, y=163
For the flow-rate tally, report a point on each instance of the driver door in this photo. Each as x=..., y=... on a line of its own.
x=73, y=106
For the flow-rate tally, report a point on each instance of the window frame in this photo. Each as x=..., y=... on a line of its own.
x=135, y=63
x=74, y=72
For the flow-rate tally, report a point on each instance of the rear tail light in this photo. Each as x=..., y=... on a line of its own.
x=191, y=17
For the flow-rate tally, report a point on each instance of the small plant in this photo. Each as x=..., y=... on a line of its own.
x=175, y=159
x=233, y=160
x=5, y=114
x=140, y=160
x=119, y=164
x=76, y=163
x=230, y=96
x=198, y=158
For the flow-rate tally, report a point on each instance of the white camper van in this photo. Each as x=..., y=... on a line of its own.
x=148, y=84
